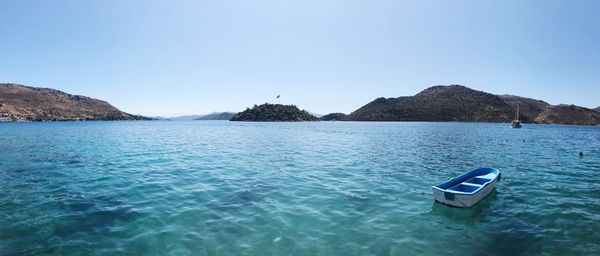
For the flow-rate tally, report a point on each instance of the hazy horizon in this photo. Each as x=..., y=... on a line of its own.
x=186, y=58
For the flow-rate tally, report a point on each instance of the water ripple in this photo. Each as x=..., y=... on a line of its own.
x=340, y=188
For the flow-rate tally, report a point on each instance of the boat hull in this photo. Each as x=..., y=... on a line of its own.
x=467, y=189
x=516, y=124
x=464, y=200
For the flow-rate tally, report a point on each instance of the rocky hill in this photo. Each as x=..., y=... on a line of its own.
x=597, y=109
x=274, y=113
x=438, y=103
x=568, y=114
x=529, y=109
x=24, y=103
x=217, y=116
x=333, y=117
x=459, y=103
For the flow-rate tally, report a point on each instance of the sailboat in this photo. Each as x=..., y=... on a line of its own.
x=516, y=123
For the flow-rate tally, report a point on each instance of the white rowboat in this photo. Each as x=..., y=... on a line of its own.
x=467, y=189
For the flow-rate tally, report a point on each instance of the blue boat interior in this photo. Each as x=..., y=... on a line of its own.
x=477, y=180
x=464, y=188
x=470, y=182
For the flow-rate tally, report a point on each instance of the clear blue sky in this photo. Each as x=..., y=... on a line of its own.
x=185, y=57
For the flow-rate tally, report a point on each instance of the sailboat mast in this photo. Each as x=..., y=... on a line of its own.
x=517, y=117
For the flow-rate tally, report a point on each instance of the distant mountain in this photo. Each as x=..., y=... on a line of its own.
x=529, y=109
x=184, y=118
x=568, y=114
x=274, y=113
x=333, y=117
x=211, y=116
x=438, y=103
x=25, y=103
x=217, y=116
x=158, y=118
x=460, y=103
x=314, y=114
x=597, y=109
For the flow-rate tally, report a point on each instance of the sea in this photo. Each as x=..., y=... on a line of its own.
x=311, y=188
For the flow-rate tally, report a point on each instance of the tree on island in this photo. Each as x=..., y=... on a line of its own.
x=274, y=113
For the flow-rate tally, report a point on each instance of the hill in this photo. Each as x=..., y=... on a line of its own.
x=333, y=117
x=217, y=116
x=438, y=103
x=25, y=103
x=460, y=103
x=568, y=114
x=529, y=109
x=597, y=109
x=274, y=113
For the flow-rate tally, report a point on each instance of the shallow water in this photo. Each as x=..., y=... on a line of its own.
x=328, y=188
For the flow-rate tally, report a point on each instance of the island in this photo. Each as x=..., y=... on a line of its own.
x=25, y=103
x=274, y=113
x=457, y=103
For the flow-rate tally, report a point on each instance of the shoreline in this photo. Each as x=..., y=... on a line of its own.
x=337, y=121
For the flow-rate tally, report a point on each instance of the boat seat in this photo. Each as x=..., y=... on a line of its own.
x=471, y=184
x=489, y=176
x=477, y=180
x=465, y=188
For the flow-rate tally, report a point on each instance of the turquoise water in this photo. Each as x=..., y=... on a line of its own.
x=328, y=188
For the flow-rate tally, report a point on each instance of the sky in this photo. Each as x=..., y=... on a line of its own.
x=168, y=58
